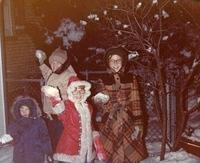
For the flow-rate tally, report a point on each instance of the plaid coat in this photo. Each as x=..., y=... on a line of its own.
x=119, y=117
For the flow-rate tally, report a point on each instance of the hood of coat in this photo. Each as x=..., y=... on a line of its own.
x=26, y=101
x=60, y=56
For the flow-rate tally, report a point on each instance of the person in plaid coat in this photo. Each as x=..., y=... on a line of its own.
x=121, y=118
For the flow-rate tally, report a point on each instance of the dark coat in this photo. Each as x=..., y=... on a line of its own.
x=109, y=79
x=31, y=139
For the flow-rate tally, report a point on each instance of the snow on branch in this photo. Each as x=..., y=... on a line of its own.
x=67, y=31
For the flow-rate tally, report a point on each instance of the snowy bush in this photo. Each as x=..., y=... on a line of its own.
x=67, y=31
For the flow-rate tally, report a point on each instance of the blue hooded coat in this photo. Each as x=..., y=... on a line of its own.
x=31, y=139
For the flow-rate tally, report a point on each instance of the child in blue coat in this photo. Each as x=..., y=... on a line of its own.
x=29, y=133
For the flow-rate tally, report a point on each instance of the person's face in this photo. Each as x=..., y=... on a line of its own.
x=78, y=93
x=115, y=63
x=55, y=65
x=24, y=111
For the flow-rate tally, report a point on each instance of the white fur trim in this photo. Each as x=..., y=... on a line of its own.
x=86, y=146
x=71, y=158
x=59, y=108
x=86, y=135
x=75, y=84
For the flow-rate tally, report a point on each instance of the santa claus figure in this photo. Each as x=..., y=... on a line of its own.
x=76, y=142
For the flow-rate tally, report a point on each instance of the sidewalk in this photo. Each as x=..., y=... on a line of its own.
x=172, y=157
x=6, y=154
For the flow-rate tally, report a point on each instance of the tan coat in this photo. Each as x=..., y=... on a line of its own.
x=56, y=80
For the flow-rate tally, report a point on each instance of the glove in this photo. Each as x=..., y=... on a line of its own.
x=100, y=151
x=6, y=138
x=101, y=98
x=41, y=56
x=50, y=91
x=98, y=118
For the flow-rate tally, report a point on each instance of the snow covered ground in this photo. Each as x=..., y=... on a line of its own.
x=195, y=137
x=194, y=124
x=174, y=157
x=6, y=154
x=180, y=156
x=171, y=157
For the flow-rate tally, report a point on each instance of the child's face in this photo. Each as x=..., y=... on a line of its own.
x=115, y=63
x=24, y=111
x=78, y=93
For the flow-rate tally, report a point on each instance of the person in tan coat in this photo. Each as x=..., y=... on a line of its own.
x=57, y=75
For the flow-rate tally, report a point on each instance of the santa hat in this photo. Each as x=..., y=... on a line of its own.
x=75, y=82
x=58, y=55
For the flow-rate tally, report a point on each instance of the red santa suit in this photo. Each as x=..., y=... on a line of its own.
x=75, y=144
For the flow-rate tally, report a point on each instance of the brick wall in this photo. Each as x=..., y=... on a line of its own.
x=20, y=56
x=20, y=61
x=19, y=47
